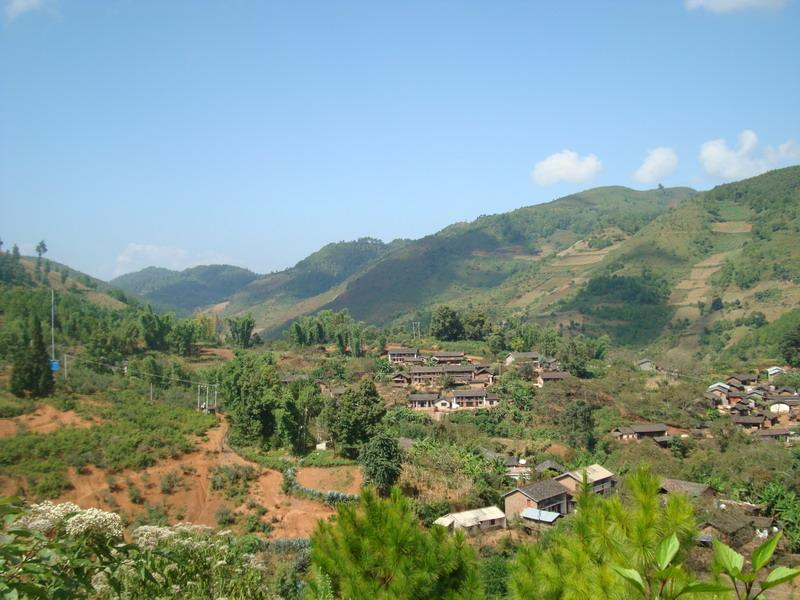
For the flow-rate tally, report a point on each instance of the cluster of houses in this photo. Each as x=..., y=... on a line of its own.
x=540, y=504
x=756, y=406
x=435, y=369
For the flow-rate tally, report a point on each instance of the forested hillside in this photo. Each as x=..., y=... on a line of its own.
x=672, y=272
x=184, y=291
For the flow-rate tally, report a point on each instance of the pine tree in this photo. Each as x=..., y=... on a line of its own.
x=31, y=373
x=381, y=461
x=377, y=550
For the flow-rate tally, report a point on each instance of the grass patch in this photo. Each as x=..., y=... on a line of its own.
x=135, y=433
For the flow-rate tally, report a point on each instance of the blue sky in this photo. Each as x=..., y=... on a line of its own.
x=136, y=132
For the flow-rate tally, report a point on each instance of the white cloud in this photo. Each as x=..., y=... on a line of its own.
x=720, y=160
x=659, y=163
x=723, y=6
x=138, y=256
x=567, y=166
x=17, y=8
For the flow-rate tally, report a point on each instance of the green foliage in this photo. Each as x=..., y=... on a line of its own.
x=134, y=433
x=31, y=374
x=169, y=481
x=353, y=418
x=264, y=413
x=476, y=260
x=233, y=479
x=377, y=550
x=730, y=563
x=790, y=346
x=184, y=291
x=631, y=309
x=11, y=270
x=578, y=420
x=155, y=328
x=446, y=324
x=381, y=462
x=183, y=336
x=43, y=560
x=241, y=330
x=611, y=541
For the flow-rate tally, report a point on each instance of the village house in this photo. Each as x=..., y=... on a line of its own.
x=749, y=423
x=549, y=465
x=639, y=431
x=401, y=379
x=447, y=358
x=600, y=479
x=401, y=355
x=774, y=372
x=783, y=404
x=459, y=373
x=742, y=381
x=779, y=434
x=549, y=363
x=483, y=375
x=690, y=488
x=426, y=375
x=518, y=358
x=547, y=494
x=474, y=398
x=479, y=519
x=533, y=518
x=517, y=468
x=646, y=364
x=422, y=400
x=550, y=376
x=734, y=527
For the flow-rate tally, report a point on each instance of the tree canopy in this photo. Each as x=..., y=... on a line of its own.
x=377, y=550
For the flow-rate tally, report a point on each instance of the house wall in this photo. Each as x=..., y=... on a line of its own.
x=516, y=502
x=492, y=524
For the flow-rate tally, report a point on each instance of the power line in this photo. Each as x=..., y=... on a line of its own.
x=142, y=374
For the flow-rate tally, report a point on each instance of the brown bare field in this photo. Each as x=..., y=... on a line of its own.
x=192, y=500
x=45, y=419
x=732, y=227
x=331, y=479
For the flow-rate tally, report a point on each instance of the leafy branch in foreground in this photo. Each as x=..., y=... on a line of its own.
x=746, y=584
x=635, y=548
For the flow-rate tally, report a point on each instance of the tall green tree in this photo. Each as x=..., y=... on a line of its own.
x=790, y=346
x=578, y=422
x=251, y=389
x=31, y=372
x=155, y=328
x=377, y=550
x=354, y=417
x=475, y=325
x=241, y=330
x=182, y=337
x=446, y=324
x=41, y=248
x=381, y=461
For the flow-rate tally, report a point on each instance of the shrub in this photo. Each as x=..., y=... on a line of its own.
x=169, y=482
x=224, y=516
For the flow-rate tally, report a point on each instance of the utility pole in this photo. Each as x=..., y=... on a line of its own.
x=52, y=324
x=65, y=367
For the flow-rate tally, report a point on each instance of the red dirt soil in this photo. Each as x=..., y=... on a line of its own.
x=338, y=479
x=192, y=500
x=45, y=419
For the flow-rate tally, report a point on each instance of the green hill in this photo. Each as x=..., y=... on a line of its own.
x=492, y=260
x=310, y=284
x=737, y=243
x=187, y=290
x=681, y=275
